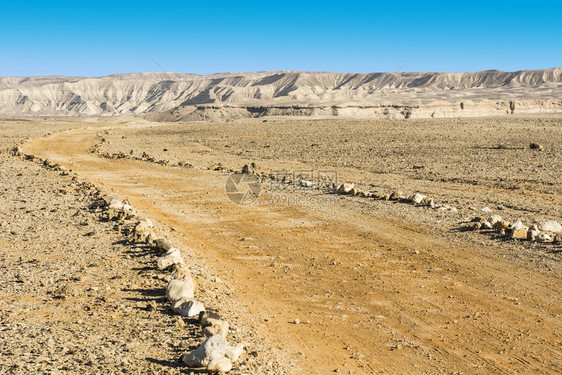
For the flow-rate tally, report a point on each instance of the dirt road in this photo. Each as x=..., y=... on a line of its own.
x=372, y=294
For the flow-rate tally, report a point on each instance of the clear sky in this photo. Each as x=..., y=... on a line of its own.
x=97, y=38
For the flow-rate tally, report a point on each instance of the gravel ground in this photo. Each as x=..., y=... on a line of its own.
x=341, y=265
x=468, y=164
x=491, y=152
x=79, y=298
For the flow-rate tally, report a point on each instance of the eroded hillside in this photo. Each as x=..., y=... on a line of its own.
x=227, y=96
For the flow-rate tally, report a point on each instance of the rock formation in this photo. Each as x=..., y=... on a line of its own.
x=177, y=96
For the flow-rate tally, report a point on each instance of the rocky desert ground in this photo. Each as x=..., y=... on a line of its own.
x=367, y=280
x=79, y=296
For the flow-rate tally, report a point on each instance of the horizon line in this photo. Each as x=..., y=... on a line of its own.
x=273, y=72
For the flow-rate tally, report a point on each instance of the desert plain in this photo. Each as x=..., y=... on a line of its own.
x=311, y=281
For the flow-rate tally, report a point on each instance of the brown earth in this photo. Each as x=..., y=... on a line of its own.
x=376, y=286
x=77, y=297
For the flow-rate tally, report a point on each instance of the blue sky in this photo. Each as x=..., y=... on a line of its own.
x=105, y=37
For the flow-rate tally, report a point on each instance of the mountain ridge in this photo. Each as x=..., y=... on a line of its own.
x=173, y=96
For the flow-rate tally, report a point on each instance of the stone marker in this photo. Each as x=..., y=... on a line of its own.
x=520, y=233
x=178, y=289
x=215, y=354
x=173, y=256
x=212, y=349
x=220, y=365
x=417, y=198
x=543, y=237
x=550, y=226
x=234, y=352
x=187, y=308
x=213, y=326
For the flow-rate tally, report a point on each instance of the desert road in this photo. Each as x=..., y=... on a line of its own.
x=332, y=288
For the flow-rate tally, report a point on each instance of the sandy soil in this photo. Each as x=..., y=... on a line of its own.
x=469, y=164
x=77, y=296
x=377, y=286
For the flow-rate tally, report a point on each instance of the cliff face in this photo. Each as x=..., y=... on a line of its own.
x=174, y=96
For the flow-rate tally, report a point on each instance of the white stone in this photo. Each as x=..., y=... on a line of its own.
x=486, y=225
x=306, y=183
x=550, y=226
x=495, y=219
x=178, y=289
x=220, y=365
x=417, y=198
x=115, y=205
x=519, y=233
x=486, y=209
x=543, y=237
x=186, y=307
x=141, y=232
x=215, y=327
x=173, y=256
x=212, y=349
x=234, y=352
x=517, y=225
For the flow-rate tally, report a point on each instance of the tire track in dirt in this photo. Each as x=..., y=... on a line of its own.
x=373, y=304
